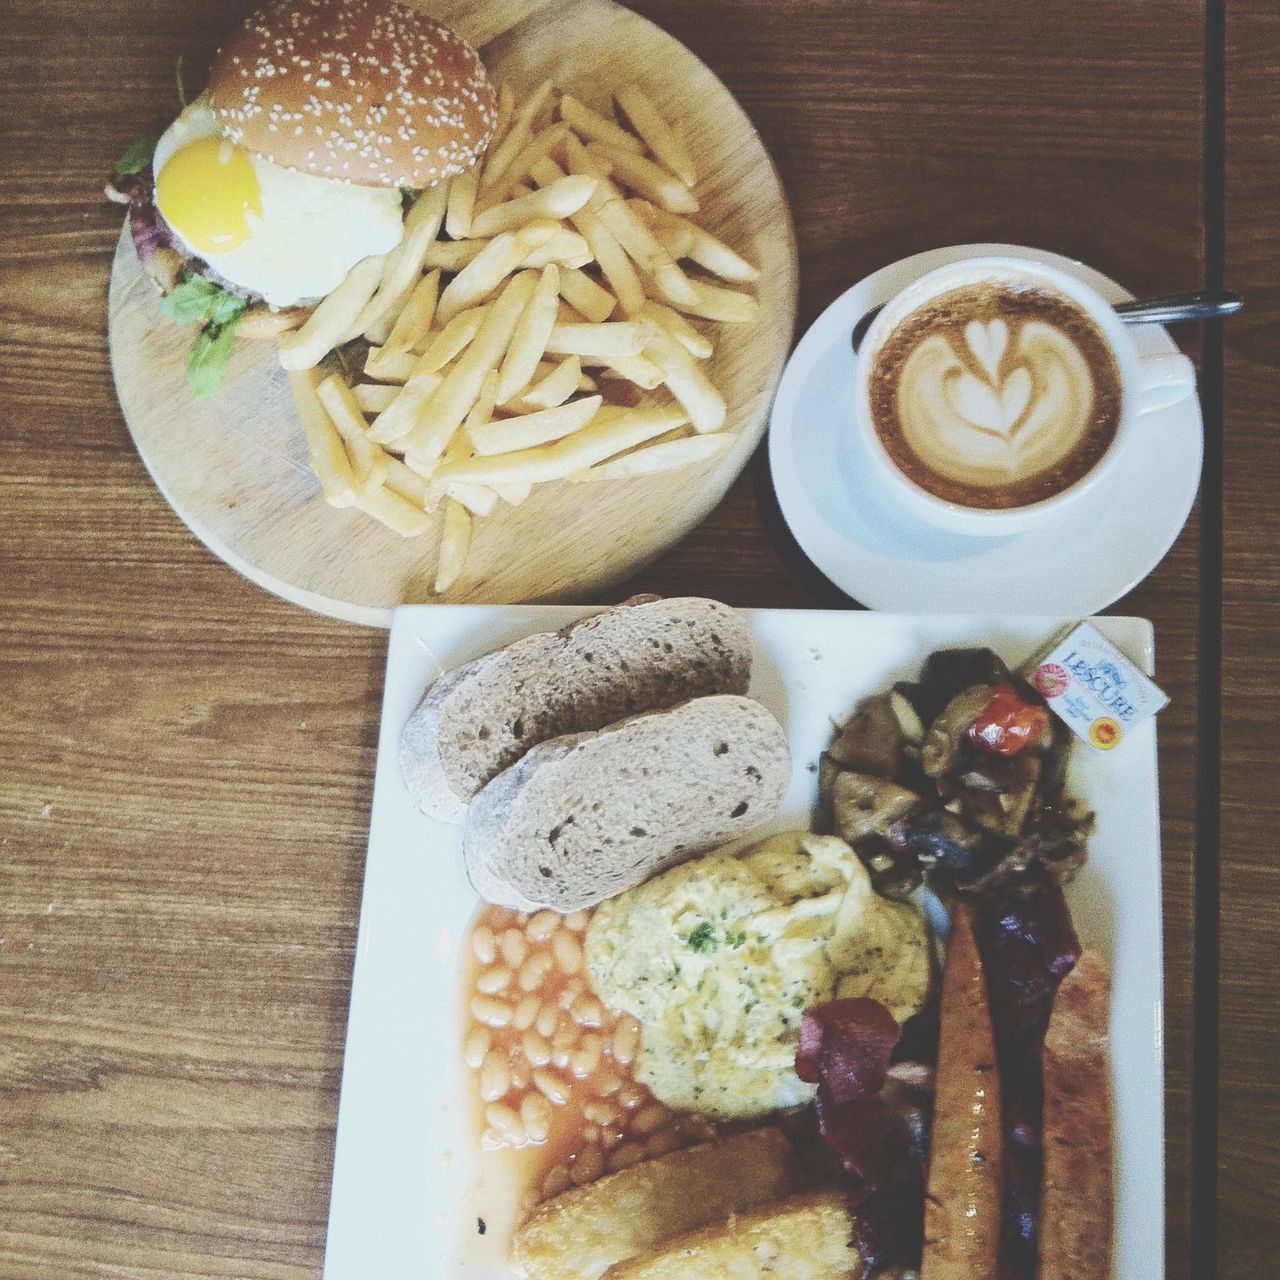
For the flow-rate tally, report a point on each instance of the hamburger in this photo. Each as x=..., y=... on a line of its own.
x=322, y=120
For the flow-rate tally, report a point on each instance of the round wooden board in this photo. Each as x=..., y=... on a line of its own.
x=235, y=468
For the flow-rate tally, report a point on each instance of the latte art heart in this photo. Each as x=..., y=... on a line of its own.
x=985, y=426
x=996, y=405
x=987, y=343
x=985, y=408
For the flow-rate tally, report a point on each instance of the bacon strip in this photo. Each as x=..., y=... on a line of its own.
x=871, y=1122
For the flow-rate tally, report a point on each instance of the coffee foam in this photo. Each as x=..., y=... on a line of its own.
x=995, y=396
x=989, y=406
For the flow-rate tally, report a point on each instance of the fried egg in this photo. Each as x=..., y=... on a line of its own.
x=289, y=236
x=719, y=958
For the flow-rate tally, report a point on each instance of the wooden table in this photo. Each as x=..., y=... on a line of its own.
x=187, y=761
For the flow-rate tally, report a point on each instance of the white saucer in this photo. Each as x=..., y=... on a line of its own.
x=1074, y=564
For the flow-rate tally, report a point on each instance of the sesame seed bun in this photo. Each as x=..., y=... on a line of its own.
x=372, y=92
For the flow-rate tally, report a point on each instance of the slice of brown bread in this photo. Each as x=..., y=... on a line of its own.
x=581, y=818
x=479, y=719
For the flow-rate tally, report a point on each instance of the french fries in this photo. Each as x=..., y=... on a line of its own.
x=660, y=138
x=666, y=455
x=460, y=205
x=639, y=370
x=609, y=433
x=685, y=239
x=555, y=387
x=500, y=159
x=686, y=381
x=565, y=248
x=532, y=429
x=328, y=456
x=368, y=462
x=453, y=400
x=626, y=226
x=414, y=321
x=590, y=124
x=421, y=227
x=571, y=244
x=450, y=341
x=374, y=397
x=677, y=327
x=529, y=340
x=541, y=144
x=382, y=367
x=485, y=273
x=582, y=293
x=305, y=347
x=400, y=416
x=647, y=179
x=614, y=263
x=397, y=512
x=607, y=340
x=716, y=303
x=455, y=542
x=558, y=199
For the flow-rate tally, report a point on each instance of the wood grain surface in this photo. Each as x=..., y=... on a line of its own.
x=188, y=760
x=1249, y=1029
x=235, y=466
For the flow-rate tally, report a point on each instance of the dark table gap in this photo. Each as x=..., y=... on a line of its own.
x=1204, y=1067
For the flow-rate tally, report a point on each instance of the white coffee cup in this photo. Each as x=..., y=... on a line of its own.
x=1147, y=383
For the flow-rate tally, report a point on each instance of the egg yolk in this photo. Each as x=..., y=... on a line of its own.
x=206, y=192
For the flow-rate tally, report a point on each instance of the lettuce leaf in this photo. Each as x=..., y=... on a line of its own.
x=208, y=362
x=137, y=155
x=191, y=301
x=199, y=301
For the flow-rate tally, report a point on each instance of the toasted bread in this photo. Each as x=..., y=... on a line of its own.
x=585, y=1231
x=804, y=1237
x=1076, y=1194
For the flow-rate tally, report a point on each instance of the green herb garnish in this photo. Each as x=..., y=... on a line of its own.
x=702, y=939
x=137, y=155
x=189, y=303
x=736, y=940
x=208, y=362
x=198, y=301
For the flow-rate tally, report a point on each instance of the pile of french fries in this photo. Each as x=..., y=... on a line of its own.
x=514, y=352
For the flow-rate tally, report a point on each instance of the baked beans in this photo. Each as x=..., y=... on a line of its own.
x=553, y=1067
x=526, y=1012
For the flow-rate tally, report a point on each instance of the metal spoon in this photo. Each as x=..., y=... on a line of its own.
x=1212, y=305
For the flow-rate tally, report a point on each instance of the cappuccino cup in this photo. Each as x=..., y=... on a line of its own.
x=994, y=392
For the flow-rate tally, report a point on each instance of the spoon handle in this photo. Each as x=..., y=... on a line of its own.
x=1180, y=306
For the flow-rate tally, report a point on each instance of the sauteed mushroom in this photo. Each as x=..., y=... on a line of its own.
x=945, y=739
x=914, y=791
x=865, y=805
x=872, y=741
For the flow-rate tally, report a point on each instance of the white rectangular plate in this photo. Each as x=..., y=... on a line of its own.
x=403, y=1203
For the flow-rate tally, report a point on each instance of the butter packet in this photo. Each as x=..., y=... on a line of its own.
x=1094, y=688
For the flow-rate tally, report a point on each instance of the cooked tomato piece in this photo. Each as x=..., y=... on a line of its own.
x=1010, y=724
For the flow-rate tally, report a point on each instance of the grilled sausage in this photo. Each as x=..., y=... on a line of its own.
x=1075, y=1194
x=962, y=1206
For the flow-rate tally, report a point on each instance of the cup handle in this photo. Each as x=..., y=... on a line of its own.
x=1165, y=381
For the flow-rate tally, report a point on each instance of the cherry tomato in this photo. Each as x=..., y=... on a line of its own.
x=1010, y=724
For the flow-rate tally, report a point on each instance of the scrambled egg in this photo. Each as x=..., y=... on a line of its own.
x=719, y=958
